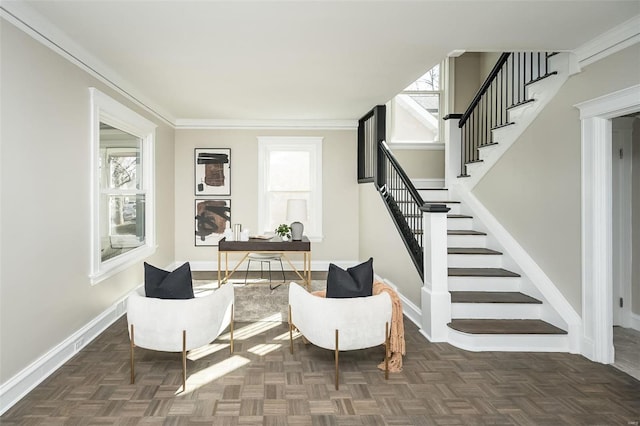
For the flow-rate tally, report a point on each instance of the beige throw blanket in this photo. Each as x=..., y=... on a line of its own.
x=396, y=338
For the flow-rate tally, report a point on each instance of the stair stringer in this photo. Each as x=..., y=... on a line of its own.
x=541, y=92
x=555, y=309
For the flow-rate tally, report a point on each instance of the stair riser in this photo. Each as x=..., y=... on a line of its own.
x=495, y=310
x=459, y=223
x=486, y=152
x=483, y=284
x=474, y=261
x=466, y=240
x=509, y=342
x=434, y=194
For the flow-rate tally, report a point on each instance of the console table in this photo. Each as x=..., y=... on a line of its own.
x=255, y=245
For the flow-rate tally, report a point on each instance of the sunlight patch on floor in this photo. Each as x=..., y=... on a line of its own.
x=253, y=329
x=285, y=336
x=265, y=348
x=196, y=354
x=213, y=372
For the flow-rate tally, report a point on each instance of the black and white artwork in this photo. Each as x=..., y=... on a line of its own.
x=211, y=219
x=212, y=171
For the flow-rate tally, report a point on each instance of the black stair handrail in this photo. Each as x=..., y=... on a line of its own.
x=485, y=86
x=377, y=164
x=504, y=88
x=403, y=202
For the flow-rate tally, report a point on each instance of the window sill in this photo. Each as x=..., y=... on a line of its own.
x=119, y=264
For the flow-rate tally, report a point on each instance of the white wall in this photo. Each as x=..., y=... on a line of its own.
x=339, y=183
x=534, y=190
x=45, y=294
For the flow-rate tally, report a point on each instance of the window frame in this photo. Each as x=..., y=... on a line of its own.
x=311, y=144
x=107, y=110
x=436, y=144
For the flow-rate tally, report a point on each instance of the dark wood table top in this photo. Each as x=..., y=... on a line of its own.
x=257, y=244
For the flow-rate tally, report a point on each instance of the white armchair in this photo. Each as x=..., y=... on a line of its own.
x=172, y=325
x=340, y=324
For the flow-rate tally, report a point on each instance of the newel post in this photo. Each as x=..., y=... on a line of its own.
x=435, y=296
x=452, y=149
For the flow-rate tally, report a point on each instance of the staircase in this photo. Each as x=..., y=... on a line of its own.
x=492, y=307
x=491, y=300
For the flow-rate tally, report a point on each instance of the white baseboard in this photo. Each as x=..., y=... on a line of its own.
x=22, y=383
x=316, y=265
x=409, y=309
x=635, y=321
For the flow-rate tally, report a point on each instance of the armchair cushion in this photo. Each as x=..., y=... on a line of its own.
x=356, y=281
x=163, y=284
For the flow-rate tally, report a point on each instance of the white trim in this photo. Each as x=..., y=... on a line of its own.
x=418, y=146
x=241, y=124
x=26, y=19
x=26, y=380
x=428, y=183
x=635, y=322
x=597, y=218
x=609, y=42
x=105, y=109
x=314, y=146
x=409, y=309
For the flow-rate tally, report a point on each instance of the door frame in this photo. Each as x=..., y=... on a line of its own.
x=597, y=218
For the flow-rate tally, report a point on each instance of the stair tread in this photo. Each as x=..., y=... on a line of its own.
x=472, y=250
x=486, y=145
x=442, y=202
x=504, y=326
x=459, y=216
x=464, y=232
x=481, y=272
x=492, y=297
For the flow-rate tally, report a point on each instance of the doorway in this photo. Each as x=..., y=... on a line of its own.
x=597, y=219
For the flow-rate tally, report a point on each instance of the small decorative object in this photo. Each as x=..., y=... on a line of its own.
x=212, y=171
x=237, y=230
x=284, y=231
x=297, y=211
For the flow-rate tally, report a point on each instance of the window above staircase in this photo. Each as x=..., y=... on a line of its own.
x=415, y=113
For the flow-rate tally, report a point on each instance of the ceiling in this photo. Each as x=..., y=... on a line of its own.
x=297, y=60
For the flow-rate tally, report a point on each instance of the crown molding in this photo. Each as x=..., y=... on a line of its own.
x=239, y=124
x=609, y=42
x=26, y=19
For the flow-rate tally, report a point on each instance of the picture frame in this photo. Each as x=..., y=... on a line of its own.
x=212, y=216
x=212, y=171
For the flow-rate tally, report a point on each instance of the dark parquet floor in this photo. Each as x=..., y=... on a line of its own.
x=263, y=384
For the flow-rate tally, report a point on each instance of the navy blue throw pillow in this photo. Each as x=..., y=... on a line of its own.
x=163, y=284
x=356, y=281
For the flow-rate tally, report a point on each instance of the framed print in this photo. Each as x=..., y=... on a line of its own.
x=213, y=171
x=211, y=219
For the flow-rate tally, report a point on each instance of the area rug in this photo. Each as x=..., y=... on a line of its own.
x=255, y=301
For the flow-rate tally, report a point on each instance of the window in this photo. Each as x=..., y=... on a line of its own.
x=415, y=112
x=290, y=168
x=122, y=202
